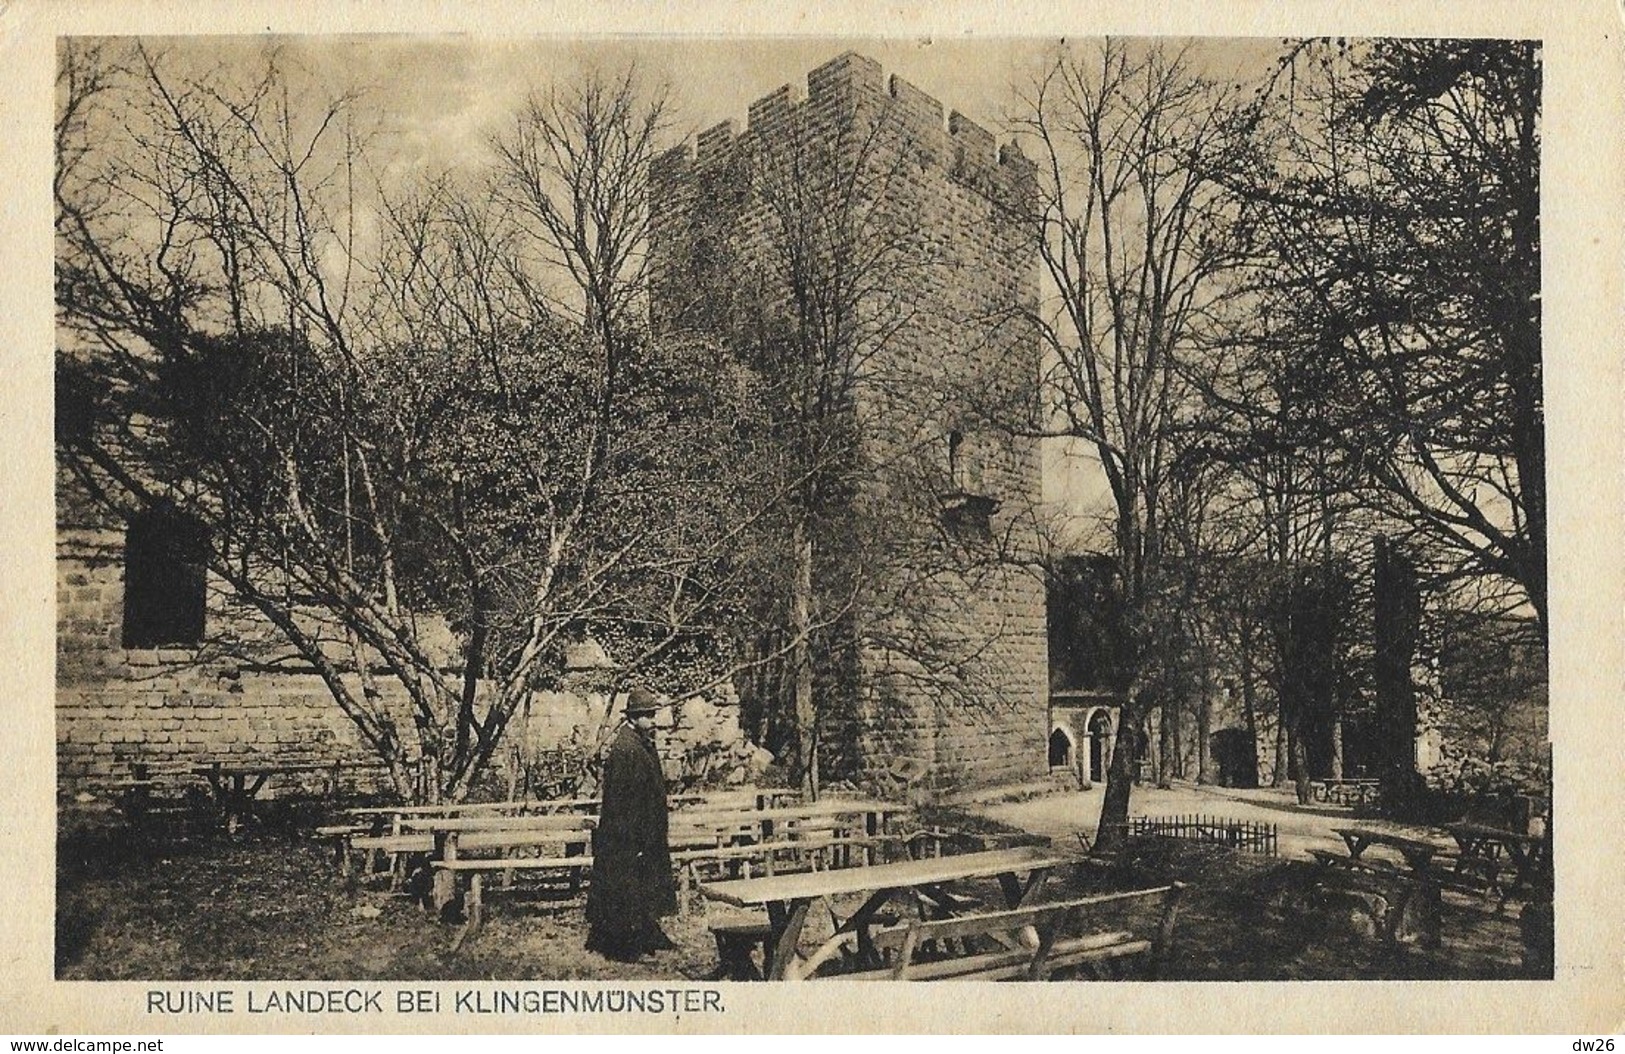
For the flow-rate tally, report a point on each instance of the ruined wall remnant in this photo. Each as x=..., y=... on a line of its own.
x=238, y=694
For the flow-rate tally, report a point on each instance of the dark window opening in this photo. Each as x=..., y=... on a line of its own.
x=1060, y=750
x=965, y=509
x=164, y=580
x=1100, y=730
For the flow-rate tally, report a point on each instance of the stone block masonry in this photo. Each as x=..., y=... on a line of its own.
x=173, y=708
x=117, y=707
x=940, y=213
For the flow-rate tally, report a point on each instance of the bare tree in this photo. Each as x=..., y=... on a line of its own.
x=419, y=456
x=1402, y=211
x=1135, y=234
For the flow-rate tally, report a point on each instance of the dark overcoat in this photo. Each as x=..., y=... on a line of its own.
x=632, y=882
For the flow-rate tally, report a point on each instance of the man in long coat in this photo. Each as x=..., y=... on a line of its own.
x=632, y=883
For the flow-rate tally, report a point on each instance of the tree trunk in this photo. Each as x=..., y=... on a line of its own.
x=1337, y=747
x=1300, y=765
x=1167, y=749
x=1278, y=779
x=1204, y=734
x=801, y=626
x=1181, y=749
x=1396, y=612
x=1249, y=705
x=1119, y=787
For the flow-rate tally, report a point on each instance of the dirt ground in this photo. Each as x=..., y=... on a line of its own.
x=1300, y=827
x=268, y=903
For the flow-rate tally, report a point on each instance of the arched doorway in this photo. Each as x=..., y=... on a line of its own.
x=1099, y=731
x=1060, y=749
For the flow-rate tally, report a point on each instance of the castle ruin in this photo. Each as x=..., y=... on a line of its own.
x=861, y=208
x=957, y=277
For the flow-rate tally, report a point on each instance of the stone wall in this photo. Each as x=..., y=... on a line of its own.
x=174, y=708
x=117, y=707
x=962, y=271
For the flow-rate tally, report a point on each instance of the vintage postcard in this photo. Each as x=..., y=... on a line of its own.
x=574, y=520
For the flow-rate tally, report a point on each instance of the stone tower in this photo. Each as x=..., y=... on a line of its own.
x=938, y=286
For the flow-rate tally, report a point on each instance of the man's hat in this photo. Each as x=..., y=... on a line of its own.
x=641, y=701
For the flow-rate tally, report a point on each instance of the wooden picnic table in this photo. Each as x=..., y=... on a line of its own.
x=455, y=808
x=518, y=807
x=1418, y=885
x=527, y=822
x=1416, y=853
x=824, y=807
x=741, y=798
x=563, y=842
x=502, y=833
x=401, y=829
x=874, y=814
x=395, y=818
x=1481, y=847
x=707, y=826
x=788, y=897
x=236, y=785
x=1352, y=791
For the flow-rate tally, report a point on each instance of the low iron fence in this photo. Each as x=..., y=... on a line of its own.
x=1241, y=835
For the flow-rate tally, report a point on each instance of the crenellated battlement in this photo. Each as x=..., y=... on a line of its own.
x=854, y=83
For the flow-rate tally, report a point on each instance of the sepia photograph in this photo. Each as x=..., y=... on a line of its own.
x=673, y=510
x=596, y=518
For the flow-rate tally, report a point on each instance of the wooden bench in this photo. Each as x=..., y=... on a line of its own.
x=416, y=834
x=477, y=868
x=394, y=814
x=769, y=858
x=151, y=792
x=562, y=843
x=1402, y=891
x=736, y=944
x=341, y=834
x=1029, y=943
x=375, y=850
x=141, y=801
x=1486, y=853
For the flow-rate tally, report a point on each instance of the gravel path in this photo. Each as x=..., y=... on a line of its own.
x=1301, y=827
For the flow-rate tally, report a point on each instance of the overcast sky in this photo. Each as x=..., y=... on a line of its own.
x=440, y=98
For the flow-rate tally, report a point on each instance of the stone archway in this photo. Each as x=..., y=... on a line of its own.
x=1099, y=731
x=1060, y=748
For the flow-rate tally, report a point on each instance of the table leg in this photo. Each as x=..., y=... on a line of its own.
x=442, y=881
x=1478, y=859
x=212, y=775
x=220, y=787
x=1395, y=922
x=234, y=807
x=1520, y=867
x=1019, y=895
x=1432, y=913
x=473, y=913
x=786, y=920
x=857, y=923
x=239, y=797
